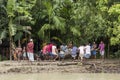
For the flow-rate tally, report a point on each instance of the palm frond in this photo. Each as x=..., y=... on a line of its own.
x=27, y=31
x=18, y=36
x=57, y=38
x=59, y=23
x=19, y=18
x=75, y=31
x=10, y=7
x=12, y=29
x=49, y=8
x=41, y=31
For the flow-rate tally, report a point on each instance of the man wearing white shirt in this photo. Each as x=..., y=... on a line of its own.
x=54, y=51
x=81, y=52
x=87, y=51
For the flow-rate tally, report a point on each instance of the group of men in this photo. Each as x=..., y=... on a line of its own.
x=83, y=51
x=91, y=50
x=50, y=51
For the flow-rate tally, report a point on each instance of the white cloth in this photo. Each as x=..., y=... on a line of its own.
x=81, y=56
x=24, y=54
x=62, y=52
x=54, y=50
x=30, y=56
x=81, y=52
x=87, y=49
x=102, y=53
x=81, y=49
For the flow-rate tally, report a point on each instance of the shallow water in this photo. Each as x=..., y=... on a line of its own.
x=60, y=76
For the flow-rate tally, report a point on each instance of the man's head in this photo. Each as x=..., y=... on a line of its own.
x=101, y=42
x=31, y=40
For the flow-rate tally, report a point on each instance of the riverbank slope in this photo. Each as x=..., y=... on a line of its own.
x=89, y=66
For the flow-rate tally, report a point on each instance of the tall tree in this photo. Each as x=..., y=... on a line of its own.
x=15, y=13
x=55, y=22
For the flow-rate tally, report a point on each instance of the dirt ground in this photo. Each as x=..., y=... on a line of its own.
x=88, y=66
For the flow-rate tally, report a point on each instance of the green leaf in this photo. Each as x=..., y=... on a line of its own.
x=12, y=29
x=75, y=31
x=18, y=36
x=11, y=7
x=3, y=34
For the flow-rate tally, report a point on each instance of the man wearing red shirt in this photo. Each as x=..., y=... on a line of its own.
x=30, y=47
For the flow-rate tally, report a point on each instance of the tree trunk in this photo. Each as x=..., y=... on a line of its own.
x=108, y=52
x=10, y=48
x=19, y=44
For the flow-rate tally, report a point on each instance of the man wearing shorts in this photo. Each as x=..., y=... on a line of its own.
x=74, y=52
x=87, y=51
x=63, y=47
x=54, y=52
x=94, y=48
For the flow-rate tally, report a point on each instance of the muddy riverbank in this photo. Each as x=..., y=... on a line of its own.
x=91, y=66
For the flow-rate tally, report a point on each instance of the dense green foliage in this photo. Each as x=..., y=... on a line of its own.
x=79, y=21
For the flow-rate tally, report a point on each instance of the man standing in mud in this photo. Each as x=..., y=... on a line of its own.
x=30, y=50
